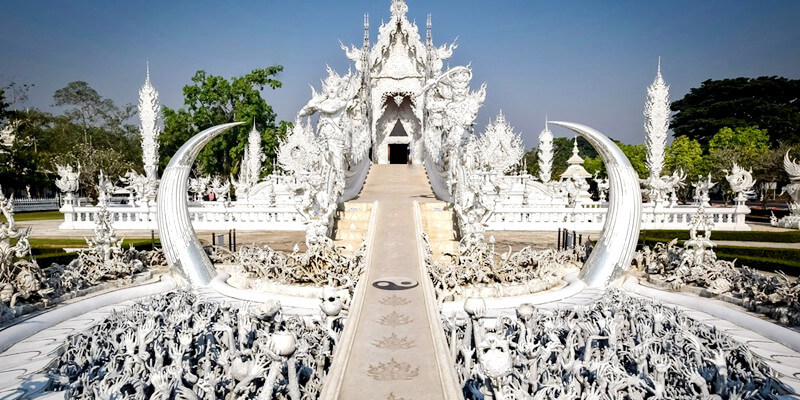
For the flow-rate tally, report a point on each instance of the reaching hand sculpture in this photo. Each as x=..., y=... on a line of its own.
x=618, y=347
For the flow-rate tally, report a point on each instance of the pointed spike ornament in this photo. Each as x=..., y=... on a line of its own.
x=253, y=158
x=149, y=129
x=656, y=123
x=545, y=153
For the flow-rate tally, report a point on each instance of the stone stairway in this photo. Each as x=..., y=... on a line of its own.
x=352, y=225
x=438, y=224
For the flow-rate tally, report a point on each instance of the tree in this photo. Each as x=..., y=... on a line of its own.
x=95, y=115
x=4, y=112
x=108, y=141
x=636, y=153
x=740, y=145
x=686, y=155
x=768, y=102
x=213, y=100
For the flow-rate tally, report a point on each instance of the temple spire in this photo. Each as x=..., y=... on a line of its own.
x=366, y=31
x=656, y=122
x=429, y=32
x=149, y=113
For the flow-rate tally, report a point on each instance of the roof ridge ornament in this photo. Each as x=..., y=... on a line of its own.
x=398, y=8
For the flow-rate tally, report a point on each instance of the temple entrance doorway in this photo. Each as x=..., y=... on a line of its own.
x=398, y=153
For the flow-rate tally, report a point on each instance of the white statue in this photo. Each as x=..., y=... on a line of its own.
x=701, y=190
x=104, y=189
x=20, y=276
x=314, y=182
x=331, y=103
x=602, y=188
x=793, y=190
x=199, y=187
x=699, y=248
x=67, y=181
x=221, y=189
x=741, y=182
x=137, y=185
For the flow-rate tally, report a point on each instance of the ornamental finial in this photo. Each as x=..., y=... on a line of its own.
x=398, y=8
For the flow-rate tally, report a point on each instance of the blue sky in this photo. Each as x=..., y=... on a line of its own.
x=580, y=61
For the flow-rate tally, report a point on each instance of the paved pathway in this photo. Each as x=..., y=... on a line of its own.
x=393, y=352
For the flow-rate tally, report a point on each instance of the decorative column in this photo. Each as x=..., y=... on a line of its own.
x=149, y=129
x=656, y=124
x=545, y=153
x=67, y=182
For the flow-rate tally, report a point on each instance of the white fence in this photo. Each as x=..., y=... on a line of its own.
x=592, y=217
x=211, y=216
x=36, y=204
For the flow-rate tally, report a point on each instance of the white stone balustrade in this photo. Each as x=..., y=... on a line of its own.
x=207, y=215
x=592, y=216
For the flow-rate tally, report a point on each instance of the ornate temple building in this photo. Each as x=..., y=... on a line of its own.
x=396, y=73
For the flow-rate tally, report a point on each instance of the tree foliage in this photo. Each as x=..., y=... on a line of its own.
x=768, y=102
x=92, y=113
x=93, y=132
x=743, y=146
x=686, y=155
x=3, y=106
x=213, y=100
x=636, y=153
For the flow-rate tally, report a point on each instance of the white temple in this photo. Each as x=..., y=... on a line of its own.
x=400, y=106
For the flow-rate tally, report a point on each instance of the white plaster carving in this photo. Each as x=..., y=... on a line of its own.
x=545, y=153
x=617, y=347
x=793, y=190
x=149, y=129
x=741, y=182
x=250, y=166
x=67, y=181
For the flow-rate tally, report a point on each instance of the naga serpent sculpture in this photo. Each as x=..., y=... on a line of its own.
x=181, y=247
x=614, y=250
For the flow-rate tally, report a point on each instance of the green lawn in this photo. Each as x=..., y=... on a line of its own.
x=60, y=243
x=752, y=236
x=48, y=251
x=36, y=216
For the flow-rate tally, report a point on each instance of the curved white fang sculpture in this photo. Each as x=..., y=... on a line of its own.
x=181, y=247
x=614, y=250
